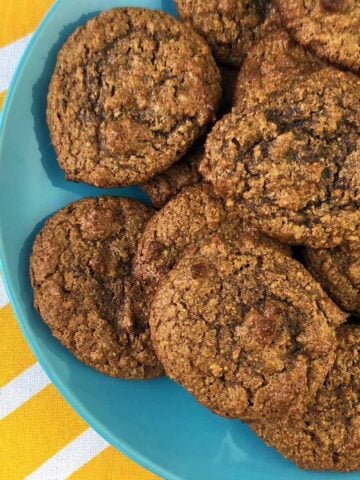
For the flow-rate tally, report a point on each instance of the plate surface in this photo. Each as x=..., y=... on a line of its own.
x=156, y=423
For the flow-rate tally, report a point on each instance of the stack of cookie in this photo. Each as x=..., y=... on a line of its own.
x=204, y=287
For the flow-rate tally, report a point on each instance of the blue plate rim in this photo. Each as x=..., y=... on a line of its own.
x=120, y=445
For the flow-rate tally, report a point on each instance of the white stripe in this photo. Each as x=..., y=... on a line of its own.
x=3, y=297
x=70, y=458
x=9, y=59
x=21, y=389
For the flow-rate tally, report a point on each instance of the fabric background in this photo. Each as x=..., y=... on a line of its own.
x=41, y=437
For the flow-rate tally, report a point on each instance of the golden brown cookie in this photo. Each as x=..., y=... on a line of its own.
x=131, y=92
x=338, y=271
x=290, y=166
x=230, y=27
x=330, y=28
x=273, y=61
x=80, y=270
x=327, y=435
x=244, y=328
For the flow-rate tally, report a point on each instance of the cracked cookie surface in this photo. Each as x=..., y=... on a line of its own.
x=80, y=270
x=331, y=28
x=338, y=271
x=230, y=27
x=327, y=435
x=273, y=61
x=244, y=328
x=290, y=165
x=131, y=92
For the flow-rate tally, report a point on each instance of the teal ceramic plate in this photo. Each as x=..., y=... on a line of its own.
x=156, y=423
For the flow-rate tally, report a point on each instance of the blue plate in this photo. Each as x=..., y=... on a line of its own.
x=155, y=423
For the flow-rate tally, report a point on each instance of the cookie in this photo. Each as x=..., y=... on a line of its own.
x=131, y=92
x=230, y=27
x=290, y=166
x=183, y=221
x=330, y=28
x=273, y=61
x=338, y=271
x=327, y=435
x=80, y=270
x=244, y=328
x=165, y=186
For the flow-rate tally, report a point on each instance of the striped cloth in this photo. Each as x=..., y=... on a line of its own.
x=41, y=437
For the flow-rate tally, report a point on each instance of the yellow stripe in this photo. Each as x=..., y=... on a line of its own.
x=20, y=17
x=111, y=465
x=35, y=432
x=2, y=96
x=14, y=353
